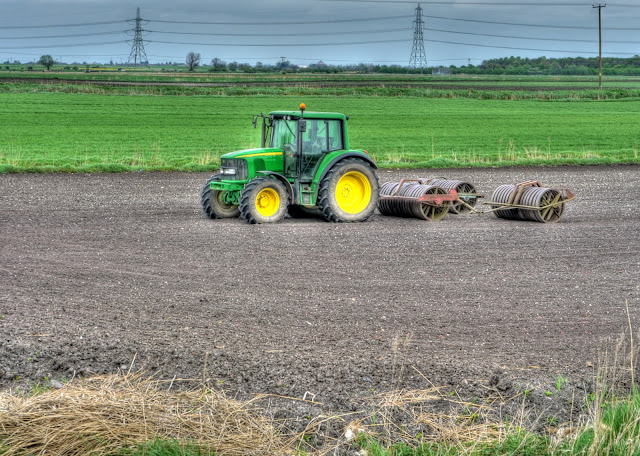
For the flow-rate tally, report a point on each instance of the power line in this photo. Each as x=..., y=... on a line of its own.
x=6, y=27
x=120, y=32
x=318, y=22
x=356, y=32
x=262, y=23
x=528, y=37
x=374, y=42
x=104, y=43
x=522, y=48
x=349, y=43
x=527, y=25
x=364, y=32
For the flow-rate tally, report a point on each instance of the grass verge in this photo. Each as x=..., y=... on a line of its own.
x=614, y=431
x=132, y=416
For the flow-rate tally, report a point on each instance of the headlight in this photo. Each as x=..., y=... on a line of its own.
x=229, y=171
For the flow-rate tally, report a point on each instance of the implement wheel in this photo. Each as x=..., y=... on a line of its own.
x=349, y=192
x=264, y=200
x=213, y=201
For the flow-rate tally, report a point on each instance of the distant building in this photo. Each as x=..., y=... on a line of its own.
x=441, y=71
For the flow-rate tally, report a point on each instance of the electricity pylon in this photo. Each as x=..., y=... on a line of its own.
x=418, y=57
x=138, y=54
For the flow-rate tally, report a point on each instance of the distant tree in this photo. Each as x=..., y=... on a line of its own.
x=47, y=61
x=218, y=64
x=233, y=66
x=193, y=60
x=555, y=68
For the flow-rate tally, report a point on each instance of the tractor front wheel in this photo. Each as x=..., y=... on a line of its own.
x=264, y=200
x=349, y=192
x=213, y=201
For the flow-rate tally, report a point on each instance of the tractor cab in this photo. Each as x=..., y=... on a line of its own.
x=305, y=140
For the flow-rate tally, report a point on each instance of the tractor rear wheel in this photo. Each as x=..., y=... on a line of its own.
x=349, y=192
x=264, y=200
x=213, y=203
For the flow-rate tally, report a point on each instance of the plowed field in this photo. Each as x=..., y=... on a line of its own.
x=111, y=271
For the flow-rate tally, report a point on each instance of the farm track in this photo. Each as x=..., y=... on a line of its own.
x=103, y=272
x=305, y=83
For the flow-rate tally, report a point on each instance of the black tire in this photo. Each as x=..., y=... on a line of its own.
x=363, y=176
x=264, y=200
x=212, y=204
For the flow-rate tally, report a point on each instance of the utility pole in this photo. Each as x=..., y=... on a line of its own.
x=418, y=56
x=138, y=53
x=599, y=6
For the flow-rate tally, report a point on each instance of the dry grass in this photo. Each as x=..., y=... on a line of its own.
x=409, y=416
x=105, y=414
x=413, y=417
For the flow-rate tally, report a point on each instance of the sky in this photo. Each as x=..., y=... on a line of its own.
x=306, y=31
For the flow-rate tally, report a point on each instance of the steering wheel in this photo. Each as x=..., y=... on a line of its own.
x=288, y=149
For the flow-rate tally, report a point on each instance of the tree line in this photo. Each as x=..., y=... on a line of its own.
x=584, y=66
x=507, y=65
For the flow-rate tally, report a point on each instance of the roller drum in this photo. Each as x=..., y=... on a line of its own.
x=501, y=195
x=385, y=206
x=459, y=186
x=531, y=196
x=410, y=206
x=541, y=197
x=421, y=210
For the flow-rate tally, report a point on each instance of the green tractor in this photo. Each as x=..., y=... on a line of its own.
x=307, y=167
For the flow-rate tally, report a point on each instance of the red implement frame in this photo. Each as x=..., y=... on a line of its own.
x=432, y=199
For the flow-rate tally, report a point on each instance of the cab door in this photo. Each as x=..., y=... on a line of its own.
x=318, y=138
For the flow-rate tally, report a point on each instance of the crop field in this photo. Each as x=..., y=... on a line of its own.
x=179, y=75
x=47, y=132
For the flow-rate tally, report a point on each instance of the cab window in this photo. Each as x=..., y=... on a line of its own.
x=322, y=136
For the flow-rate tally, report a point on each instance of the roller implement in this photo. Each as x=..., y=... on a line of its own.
x=305, y=163
x=432, y=198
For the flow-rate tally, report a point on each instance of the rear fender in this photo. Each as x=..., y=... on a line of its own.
x=330, y=161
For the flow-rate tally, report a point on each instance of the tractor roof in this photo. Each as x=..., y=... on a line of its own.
x=309, y=115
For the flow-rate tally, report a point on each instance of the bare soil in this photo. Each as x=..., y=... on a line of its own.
x=116, y=271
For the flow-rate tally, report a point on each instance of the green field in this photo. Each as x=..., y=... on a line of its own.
x=202, y=75
x=48, y=132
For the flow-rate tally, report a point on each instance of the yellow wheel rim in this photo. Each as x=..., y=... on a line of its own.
x=353, y=192
x=267, y=202
x=221, y=200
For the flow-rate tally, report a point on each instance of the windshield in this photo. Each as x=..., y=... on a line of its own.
x=283, y=132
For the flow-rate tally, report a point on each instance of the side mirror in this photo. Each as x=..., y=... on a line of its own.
x=302, y=126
